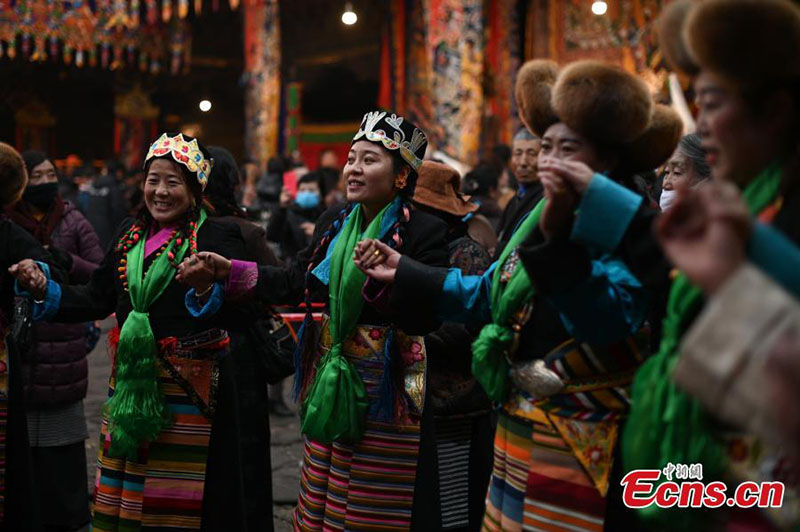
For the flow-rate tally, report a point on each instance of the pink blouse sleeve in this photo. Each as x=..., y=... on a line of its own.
x=242, y=279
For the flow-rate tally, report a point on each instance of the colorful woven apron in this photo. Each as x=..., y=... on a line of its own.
x=368, y=485
x=163, y=488
x=553, y=456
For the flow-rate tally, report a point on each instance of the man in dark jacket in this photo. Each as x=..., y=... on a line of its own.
x=524, y=156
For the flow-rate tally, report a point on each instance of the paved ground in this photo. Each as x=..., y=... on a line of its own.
x=286, y=443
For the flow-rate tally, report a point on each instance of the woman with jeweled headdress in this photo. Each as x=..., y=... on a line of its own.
x=170, y=441
x=361, y=373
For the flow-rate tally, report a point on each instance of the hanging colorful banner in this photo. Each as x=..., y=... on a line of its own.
x=262, y=74
x=502, y=62
x=459, y=60
x=419, y=70
x=106, y=32
x=624, y=35
x=456, y=41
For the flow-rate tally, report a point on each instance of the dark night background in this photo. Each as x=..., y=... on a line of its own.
x=337, y=64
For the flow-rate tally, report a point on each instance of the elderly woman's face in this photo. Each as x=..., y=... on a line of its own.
x=560, y=142
x=679, y=171
x=738, y=143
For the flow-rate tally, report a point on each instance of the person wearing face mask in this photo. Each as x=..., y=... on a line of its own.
x=686, y=167
x=56, y=370
x=292, y=224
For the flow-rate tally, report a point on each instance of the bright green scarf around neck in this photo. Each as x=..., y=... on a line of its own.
x=335, y=408
x=489, y=363
x=666, y=425
x=137, y=412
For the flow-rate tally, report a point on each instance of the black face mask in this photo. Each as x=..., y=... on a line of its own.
x=41, y=196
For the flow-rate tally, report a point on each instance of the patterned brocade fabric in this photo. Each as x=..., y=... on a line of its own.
x=369, y=484
x=553, y=456
x=242, y=279
x=163, y=488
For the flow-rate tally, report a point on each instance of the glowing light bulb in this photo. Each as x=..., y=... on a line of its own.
x=599, y=8
x=349, y=16
x=205, y=106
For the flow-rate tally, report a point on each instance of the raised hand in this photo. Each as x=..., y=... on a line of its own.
x=575, y=174
x=560, y=205
x=377, y=260
x=30, y=277
x=705, y=233
x=286, y=198
x=308, y=228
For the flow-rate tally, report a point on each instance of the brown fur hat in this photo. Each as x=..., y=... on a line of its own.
x=602, y=102
x=532, y=91
x=669, y=28
x=13, y=177
x=751, y=42
x=656, y=144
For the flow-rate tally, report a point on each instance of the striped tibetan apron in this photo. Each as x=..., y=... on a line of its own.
x=163, y=488
x=553, y=456
x=368, y=485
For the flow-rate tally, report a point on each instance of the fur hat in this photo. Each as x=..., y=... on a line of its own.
x=602, y=102
x=669, y=28
x=749, y=42
x=13, y=177
x=656, y=144
x=533, y=91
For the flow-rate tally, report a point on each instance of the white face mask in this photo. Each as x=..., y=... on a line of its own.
x=668, y=197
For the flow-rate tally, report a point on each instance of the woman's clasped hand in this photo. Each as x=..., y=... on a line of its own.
x=30, y=277
x=377, y=260
x=202, y=269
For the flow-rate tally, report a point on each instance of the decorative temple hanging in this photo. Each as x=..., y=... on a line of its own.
x=433, y=65
x=109, y=33
x=262, y=77
x=625, y=35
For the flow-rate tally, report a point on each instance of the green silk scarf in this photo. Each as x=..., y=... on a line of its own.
x=137, y=412
x=666, y=425
x=336, y=405
x=489, y=363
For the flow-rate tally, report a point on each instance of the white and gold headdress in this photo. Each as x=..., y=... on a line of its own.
x=403, y=136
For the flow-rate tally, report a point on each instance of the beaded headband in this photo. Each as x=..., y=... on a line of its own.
x=186, y=153
x=411, y=150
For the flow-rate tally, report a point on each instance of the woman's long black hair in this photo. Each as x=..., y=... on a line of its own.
x=221, y=188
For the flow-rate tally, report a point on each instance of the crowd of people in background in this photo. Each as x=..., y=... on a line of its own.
x=493, y=350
